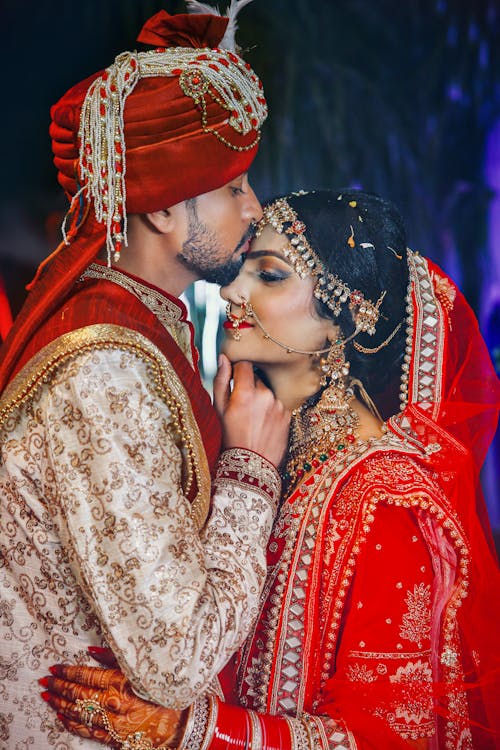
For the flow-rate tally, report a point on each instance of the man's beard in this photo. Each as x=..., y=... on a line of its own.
x=201, y=250
x=222, y=274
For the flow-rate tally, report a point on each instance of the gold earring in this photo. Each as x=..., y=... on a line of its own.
x=335, y=369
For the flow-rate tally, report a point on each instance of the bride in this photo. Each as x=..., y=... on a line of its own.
x=378, y=622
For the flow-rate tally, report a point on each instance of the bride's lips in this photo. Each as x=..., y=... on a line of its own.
x=228, y=325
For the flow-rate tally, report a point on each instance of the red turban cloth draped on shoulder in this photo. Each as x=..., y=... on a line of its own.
x=152, y=130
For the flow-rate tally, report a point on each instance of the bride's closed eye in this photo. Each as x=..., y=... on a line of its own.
x=272, y=276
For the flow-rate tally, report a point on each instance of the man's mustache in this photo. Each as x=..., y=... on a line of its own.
x=247, y=236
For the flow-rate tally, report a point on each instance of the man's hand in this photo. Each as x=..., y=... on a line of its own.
x=251, y=416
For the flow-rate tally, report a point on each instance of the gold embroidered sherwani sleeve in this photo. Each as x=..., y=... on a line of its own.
x=174, y=604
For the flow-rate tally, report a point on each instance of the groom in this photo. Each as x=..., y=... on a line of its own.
x=109, y=441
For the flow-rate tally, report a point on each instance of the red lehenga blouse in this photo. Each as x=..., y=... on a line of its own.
x=380, y=617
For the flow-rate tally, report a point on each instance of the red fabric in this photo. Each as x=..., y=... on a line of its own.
x=169, y=157
x=5, y=314
x=468, y=406
x=395, y=570
x=54, y=285
x=358, y=625
x=100, y=301
x=463, y=421
x=183, y=30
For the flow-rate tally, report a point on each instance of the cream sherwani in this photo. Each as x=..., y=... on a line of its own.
x=99, y=542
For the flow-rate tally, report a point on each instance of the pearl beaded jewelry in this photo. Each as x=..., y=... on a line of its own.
x=203, y=73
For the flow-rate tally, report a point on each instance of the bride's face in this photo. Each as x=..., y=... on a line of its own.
x=283, y=303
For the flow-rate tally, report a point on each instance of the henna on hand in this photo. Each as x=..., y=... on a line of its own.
x=113, y=696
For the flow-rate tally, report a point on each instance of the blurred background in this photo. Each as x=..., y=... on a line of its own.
x=400, y=97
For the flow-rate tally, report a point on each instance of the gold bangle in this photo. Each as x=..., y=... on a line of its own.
x=188, y=728
x=256, y=738
x=202, y=720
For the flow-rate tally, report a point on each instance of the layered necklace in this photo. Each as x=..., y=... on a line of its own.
x=319, y=429
x=325, y=424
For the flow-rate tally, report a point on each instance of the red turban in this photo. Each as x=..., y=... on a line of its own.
x=169, y=155
x=159, y=126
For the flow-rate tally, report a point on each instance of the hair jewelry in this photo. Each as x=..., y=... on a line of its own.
x=399, y=257
x=330, y=289
x=375, y=349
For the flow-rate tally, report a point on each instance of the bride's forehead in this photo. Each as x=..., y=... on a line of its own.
x=269, y=239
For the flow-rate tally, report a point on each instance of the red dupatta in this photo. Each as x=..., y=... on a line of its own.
x=427, y=464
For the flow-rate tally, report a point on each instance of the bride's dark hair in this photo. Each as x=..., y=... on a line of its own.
x=376, y=264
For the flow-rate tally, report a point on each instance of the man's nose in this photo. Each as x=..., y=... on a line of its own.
x=253, y=209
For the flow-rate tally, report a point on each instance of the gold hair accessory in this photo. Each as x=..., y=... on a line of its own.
x=329, y=288
x=217, y=74
x=375, y=349
x=350, y=240
x=90, y=708
x=399, y=257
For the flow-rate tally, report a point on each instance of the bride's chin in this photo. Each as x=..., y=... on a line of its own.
x=230, y=349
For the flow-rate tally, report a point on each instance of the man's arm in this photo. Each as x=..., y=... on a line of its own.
x=173, y=605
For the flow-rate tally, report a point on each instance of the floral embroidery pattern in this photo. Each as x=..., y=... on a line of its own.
x=417, y=621
x=331, y=541
x=416, y=707
x=360, y=673
x=99, y=542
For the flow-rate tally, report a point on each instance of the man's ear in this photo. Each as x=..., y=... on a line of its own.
x=163, y=221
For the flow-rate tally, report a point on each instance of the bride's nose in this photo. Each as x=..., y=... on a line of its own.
x=234, y=293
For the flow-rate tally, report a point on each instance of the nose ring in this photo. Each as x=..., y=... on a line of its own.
x=237, y=320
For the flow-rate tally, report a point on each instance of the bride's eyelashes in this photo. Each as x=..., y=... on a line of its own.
x=270, y=277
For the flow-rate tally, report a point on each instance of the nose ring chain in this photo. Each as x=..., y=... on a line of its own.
x=237, y=320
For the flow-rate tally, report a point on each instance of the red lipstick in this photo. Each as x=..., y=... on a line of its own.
x=228, y=325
